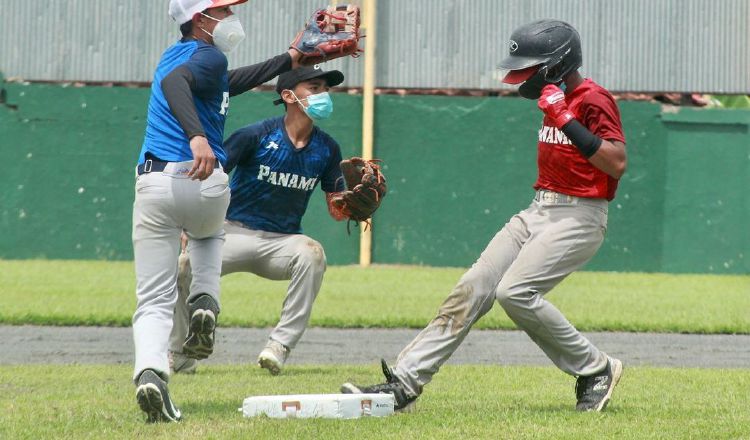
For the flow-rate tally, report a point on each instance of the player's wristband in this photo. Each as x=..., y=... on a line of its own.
x=586, y=142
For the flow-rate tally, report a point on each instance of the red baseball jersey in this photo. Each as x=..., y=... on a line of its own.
x=562, y=168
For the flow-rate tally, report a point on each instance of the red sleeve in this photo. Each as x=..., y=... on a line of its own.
x=602, y=117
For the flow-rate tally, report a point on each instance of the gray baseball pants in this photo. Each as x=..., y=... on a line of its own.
x=166, y=203
x=538, y=247
x=270, y=255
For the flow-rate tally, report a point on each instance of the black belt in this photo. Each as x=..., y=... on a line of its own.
x=157, y=166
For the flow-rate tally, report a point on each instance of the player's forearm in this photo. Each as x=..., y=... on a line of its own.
x=245, y=78
x=605, y=155
x=295, y=55
x=610, y=158
x=176, y=89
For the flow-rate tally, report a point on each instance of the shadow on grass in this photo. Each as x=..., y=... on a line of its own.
x=308, y=370
x=211, y=408
x=253, y=370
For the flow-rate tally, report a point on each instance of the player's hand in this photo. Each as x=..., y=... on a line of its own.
x=295, y=55
x=203, y=158
x=552, y=103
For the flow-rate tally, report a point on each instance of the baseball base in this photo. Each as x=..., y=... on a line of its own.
x=330, y=406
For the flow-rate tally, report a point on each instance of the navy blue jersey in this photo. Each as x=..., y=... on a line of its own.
x=165, y=138
x=273, y=181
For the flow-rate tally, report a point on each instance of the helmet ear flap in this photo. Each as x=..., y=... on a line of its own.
x=554, y=73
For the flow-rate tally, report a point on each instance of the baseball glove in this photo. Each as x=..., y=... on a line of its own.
x=331, y=33
x=366, y=188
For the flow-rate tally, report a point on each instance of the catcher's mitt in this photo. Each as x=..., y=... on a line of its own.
x=366, y=188
x=331, y=33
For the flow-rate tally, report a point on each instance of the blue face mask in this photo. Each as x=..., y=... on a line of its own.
x=319, y=106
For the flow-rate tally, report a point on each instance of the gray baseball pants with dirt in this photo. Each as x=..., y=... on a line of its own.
x=538, y=247
x=166, y=203
x=270, y=255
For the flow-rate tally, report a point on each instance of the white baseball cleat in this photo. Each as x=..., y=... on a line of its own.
x=273, y=356
x=181, y=364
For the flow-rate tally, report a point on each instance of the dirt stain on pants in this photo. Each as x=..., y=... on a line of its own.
x=455, y=309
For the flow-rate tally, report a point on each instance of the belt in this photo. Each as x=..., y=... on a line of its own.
x=553, y=198
x=157, y=166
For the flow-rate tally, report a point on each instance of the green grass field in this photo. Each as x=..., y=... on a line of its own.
x=75, y=401
x=469, y=402
x=102, y=293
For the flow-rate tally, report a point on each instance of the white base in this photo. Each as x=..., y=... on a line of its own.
x=330, y=406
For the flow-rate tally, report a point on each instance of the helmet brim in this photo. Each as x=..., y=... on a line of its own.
x=518, y=63
x=519, y=76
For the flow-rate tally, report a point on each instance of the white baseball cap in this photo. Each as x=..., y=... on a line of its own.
x=183, y=11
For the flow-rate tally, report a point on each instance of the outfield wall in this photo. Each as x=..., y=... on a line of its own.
x=457, y=167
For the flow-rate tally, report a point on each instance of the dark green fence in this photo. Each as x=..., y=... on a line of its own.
x=457, y=168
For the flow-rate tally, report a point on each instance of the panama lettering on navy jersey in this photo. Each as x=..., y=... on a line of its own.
x=165, y=138
x=273, y=181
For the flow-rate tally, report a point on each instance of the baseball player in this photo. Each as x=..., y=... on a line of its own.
x=278, y=163
x=181, y=185
x=581, y=156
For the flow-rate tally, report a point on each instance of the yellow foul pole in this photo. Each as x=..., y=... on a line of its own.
x=368, y=113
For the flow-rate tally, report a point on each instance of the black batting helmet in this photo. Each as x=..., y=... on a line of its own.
x=540, y=53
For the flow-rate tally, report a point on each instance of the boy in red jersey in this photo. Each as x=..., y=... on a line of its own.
x=581, y=157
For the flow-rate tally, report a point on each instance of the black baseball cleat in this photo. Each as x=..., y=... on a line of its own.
x=199, y=343
x=153, y=398
x=593, y=392
x=392, y=385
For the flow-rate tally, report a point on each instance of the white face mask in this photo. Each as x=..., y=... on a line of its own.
x=228, y=33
